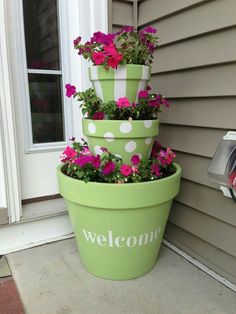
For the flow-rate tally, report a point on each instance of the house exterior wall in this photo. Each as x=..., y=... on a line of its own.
x=195, y=69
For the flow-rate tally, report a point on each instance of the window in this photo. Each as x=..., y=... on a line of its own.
x=42, y=44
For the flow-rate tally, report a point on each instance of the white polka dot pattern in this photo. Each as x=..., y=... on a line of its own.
x=147, y=123
x=92, y=128
x=125, y=127
x=130, y=146
x=109, y=137
x=148, y=140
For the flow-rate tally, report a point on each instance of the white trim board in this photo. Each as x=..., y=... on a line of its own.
x=21, y=236
x=7, y=124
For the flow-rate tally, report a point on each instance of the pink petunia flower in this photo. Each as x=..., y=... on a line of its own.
x=135, y=159
x=125, y=29
x=135, y=170
x=86, y=151
x=143, y=94
x=98, y=57
x=155, y=149
x=150, y=29
x=114, y=60
x=126, y=170
x=156, y=170
x=108, y=168
x=104, y=149
x=68, y=154
x=77, y=41
x=83, y=160
x=70, y=90
x=123, y=102
x=165, y=157
x=98, y=115
x=165, y=103
x=153, y=103
x=110, y=50
x=96, y=161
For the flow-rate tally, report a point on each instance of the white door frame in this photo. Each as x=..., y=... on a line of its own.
x=7, y=125
x=80, y=17
x=93, y=16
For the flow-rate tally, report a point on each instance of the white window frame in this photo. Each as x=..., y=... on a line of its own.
x=63, y=21
x=92, y=18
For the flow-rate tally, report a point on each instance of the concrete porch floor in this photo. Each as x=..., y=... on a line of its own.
x=51, y=279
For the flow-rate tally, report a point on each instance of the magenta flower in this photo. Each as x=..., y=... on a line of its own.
x=96, y=161
x=114, y=60
x=165, y=157
x=108, y=39
x=86, y=151
x=151, y=47
x=156, y=170
x=81, y=51
x=143, y=94
x=97, y=37
x=123, y=102
x=68, y=154
x=98, y=58
x=135, y=170
x=108, y=168
x=102, y=38
x=110, y=50
x=155, y=149
x=104, y=149
x=148, y=88
x=149, y=29
x=135, y=159
x=70, y=90
x=126, y=170
x=98, y=115
x=77, y=41
x=165, y=103
x=153, y=103
x=83, y=160
x=125, y=29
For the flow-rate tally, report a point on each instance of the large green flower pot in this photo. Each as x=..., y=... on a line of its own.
x=125, y=81
x=121, y=137
x=119, y=227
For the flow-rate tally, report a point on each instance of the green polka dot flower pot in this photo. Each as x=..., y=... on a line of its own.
x=119, y=227
x=125, y=81
x=121, y=137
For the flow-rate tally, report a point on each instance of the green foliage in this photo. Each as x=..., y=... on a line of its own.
x=139, y=172
x=90, y=104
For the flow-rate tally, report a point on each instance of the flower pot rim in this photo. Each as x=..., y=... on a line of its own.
x=130, y=195
x=121, y=65
x=119, y=121
x=152, y=182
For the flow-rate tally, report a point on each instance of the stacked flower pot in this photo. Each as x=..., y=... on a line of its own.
x=119, y=227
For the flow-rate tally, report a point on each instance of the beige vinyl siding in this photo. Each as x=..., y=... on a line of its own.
x=195, y=67
x=121, y=13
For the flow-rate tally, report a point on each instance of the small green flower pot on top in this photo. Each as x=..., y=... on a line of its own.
x=119, y=227
x=121, y=137
x=125, y=81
